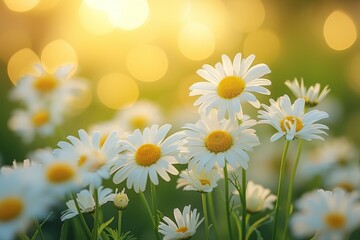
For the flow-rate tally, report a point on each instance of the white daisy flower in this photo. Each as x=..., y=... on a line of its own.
x=258, y=198
x=38, y=119
x=5, y=170
x=201, y=181
x=86, y=202
x=347, y=178
x=185, y=226
x=106, y=128
x=148, y=154
x=93, y=156
x=229, y=85
x=329, y=215
x=22, y=200
x=142, y=114
x=312, y=95
x=291, y=121
x=210, y=142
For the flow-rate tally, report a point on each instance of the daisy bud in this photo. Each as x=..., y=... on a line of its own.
x=121, y=200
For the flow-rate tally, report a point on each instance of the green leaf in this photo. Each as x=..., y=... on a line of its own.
x=64, y=231
x=258, y=235
x=105, y=224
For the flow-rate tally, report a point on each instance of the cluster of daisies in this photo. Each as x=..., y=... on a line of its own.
x=143, y=154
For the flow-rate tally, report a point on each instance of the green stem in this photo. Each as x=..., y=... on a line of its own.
x=155, y=210
x=212, y=213
x=119, y=222
x=203, y=199
x=227, y=201
x=237, y=221
x=143, y=198
x=291, y=185
x=243, y=212
x=255, y=225
x=95, y=235
x=282, y=172
x=87, y=230
x=39, y=229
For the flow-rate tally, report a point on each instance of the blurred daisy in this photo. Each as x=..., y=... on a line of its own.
x=22, y=200
x=347, y=178
x=229, y=84
x=258, y=198
x=38, y=119
x=106, y=128
x=329, y=215
x=312, y=95
x=291, y=121
x=142, y=114
x=210, y=142
x=185, y=226
x=5, y=170
x=86, y=202
x=201, y=181
x=148, y=154
x=93, y=156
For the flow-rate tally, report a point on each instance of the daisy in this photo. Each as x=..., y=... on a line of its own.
x=230, y=84
x=210, y=142
x=186, y=224
x=5, y=170
x=142, y=114
x=121, y=199
x=87, y=202
x=329, y=215
x=148, y=153
x=312, y=95
x=347, y=178
x=22, y=200
x=93, y=155
x=258, y=198
x=201, y=181
x=291, y=121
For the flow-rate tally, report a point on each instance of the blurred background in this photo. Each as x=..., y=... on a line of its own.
x=128, y=51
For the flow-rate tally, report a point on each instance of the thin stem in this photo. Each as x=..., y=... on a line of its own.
x=256, y=224
x=96, y=220
x=119, y=222
x=291, y=185
x=143, y=198
x=243, y=212
x=212, y=213
x=203, y=199
x=82, y=220
x=39, y=229
x=227, y=201
x=237, y=221
x=155, y=210
x=282, y=171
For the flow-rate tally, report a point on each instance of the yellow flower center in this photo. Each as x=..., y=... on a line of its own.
x=60, y=172
x=288, y=121
x=138, y=122
x=182, y=229
x=218, y=141
x=346, y=186
x=97, y=160
x=147, y=154
x=45, y=83
x=204, y=182
x=40, y=118
x=10, y=208
x=82, y=160
x=230, y=87
x=335, y=220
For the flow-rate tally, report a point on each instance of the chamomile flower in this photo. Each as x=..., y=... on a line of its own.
x=184, y=227
x=347, y=178
x=93, y=155
x=148, y=153
x=201, y=181
x=22, y=200
x=121, y=199
x=258, y=198
x=142, y=114
x=329, y=215
x=86, y=202
x=5, y=170
x=210, y=142
x=312, y=95
x=291, y=121
x=229, y=84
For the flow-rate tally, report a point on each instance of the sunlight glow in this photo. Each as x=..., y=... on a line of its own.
x=21, y=5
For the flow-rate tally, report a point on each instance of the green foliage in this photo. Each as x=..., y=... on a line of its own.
x=115, y=235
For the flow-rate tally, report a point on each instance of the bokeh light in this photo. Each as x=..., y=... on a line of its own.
x=117, y=90
x=265, y=44
x=95, y=20
x=247, y=15
x=196, y=41
x=339, y=31
x=21, y=63
x=21, y=5
x=147, y=63
x=57, y=53
x=13, y=39
x=183, y=89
